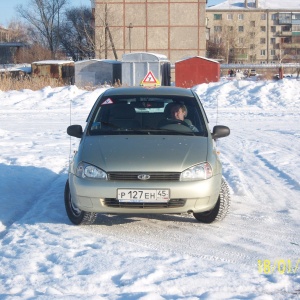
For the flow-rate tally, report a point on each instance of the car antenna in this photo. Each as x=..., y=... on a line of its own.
x=217, y=117
x=70, y=120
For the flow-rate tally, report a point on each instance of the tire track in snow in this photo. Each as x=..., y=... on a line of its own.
x=247, y=233
x=235, y=240
x=290, y=181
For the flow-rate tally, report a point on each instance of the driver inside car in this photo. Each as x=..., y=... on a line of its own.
x=179, y=112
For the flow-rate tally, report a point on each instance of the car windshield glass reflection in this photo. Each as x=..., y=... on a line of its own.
x=140, y=115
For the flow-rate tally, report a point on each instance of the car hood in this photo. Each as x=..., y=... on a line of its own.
x=132, y=153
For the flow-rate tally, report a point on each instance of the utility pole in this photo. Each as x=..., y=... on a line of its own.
x=105, y=32
x=130, y=27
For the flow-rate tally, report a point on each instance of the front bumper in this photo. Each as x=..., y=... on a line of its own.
x=97, y=195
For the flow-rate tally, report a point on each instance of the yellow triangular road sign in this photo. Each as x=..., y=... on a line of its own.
x=150, y=80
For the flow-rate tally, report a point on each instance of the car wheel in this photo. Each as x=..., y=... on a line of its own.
x=221, y=208
x=77, y=216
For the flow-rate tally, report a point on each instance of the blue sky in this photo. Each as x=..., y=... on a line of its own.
x=214, y=2
x=7, y=9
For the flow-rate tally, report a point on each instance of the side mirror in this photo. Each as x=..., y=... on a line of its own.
x=75, y=130
x=220, y=131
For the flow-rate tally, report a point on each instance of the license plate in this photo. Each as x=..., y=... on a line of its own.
x=135, y=195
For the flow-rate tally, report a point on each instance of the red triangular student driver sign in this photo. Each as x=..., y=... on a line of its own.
x=150, y=80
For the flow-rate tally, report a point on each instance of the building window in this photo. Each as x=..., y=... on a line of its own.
x=217, y=40
x=252, y=34
x=263, y=28
x=217, y=16
x=285, y=18
x=241, y=28
x=217, y=28
x=273, y=41
x=240, y=16
x=262, y=40
x=230, y=28
x=296, y=28
x=263, y=16
x=241, y=40
x=273, y=28
x=263, y=52
x=230, y=17
x=252, y=23
x=296, y=16
x=286, y=40
x=252, y=58
x=286, y=28
x=273, y=52
x=4, y=36
x=274, y=17
x=252, y=46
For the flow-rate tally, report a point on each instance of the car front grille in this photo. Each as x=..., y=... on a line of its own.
x=173, y=203
x=133, y=176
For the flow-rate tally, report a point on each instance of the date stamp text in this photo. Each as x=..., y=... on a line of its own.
x=281, y=266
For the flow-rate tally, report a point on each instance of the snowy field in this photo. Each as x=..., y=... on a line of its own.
x=253, y=254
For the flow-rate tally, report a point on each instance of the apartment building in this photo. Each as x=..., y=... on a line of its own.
x=5, y=52
x=8, y=47
x=254, y=31
x=175, y=28
x=4, y=35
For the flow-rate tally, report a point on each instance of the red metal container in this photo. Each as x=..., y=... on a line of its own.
x=196, y=70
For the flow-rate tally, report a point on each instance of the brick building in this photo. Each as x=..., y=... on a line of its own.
x=173, y=28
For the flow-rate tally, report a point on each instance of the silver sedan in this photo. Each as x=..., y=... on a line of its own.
x=146, y=151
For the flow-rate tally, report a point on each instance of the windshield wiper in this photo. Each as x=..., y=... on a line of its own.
x=176, y=132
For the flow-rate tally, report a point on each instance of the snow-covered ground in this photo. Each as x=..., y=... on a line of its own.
x=254, y=253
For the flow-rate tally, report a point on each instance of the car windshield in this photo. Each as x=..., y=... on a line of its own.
x=147, y=115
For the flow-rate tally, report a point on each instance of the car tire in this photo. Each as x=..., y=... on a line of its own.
x=77, y=216
x=221, y=208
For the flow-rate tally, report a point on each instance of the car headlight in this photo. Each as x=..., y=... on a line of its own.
x=197, y=172
x=86, y=170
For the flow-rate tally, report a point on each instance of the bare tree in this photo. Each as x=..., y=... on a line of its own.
x=79, y=38
x=215, y=50
x=77, y=33
x=18, y=32
x=107, y=36
x=44, y=17
x=35, y=52
x=224, y=43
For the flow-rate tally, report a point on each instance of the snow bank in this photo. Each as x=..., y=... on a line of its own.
x=252, y=254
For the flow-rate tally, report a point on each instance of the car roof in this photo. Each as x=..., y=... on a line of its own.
x=146, y=91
